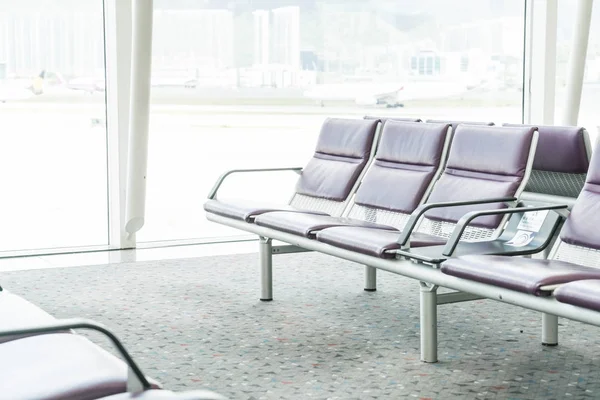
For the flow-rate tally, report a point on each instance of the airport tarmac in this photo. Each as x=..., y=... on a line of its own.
x=54, y=158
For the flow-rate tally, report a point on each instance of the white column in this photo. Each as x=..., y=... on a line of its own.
x=139, y=111
x=576, y=68
x=118, y=71
x=541, y=21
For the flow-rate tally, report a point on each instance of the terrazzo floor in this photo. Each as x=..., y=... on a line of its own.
x=198, y=323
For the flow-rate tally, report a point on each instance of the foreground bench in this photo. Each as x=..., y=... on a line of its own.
x=42, y=358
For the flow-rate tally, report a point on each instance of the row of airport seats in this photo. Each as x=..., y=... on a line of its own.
x=44, y=358
x=447, y=203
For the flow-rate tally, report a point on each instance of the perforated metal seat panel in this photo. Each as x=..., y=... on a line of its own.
x=308, y=203
x=578, y=255
x=555, y=183
x=375, y=215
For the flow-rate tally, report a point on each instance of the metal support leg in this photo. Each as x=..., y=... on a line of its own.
x=428, y=323
x=266, y=268
x=549, y=330
x=370, y=279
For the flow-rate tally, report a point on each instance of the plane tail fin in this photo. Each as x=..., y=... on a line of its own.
x=37, y=86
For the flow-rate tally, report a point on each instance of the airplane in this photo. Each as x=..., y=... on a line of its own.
x=390, y=94
x=12, y=89
x=87, y=85
x=364, y=94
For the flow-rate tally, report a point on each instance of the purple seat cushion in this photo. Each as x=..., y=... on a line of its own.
x=581, y=228
x=407, y=158
x=491, y=150
x=373, y=242
x=246, y=210
x=560, y=149
x=307, y=224
x=16, y=312
x=59, y=366
x=521, y=274
x=584, y=294
x=460, y=186
x=484, y=162
x=330, y=177
x=167, y=395
x=342, y=152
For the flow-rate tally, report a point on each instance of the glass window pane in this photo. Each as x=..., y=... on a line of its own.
x=53, y=141
x=247, y=84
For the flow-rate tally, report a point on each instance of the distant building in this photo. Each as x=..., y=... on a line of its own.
x=285, y=38
x=429, y=63
x=69, y=42
x=277, y=37
x=193, y=39
x=426, y=63
x=261, y=37
x=494, y=36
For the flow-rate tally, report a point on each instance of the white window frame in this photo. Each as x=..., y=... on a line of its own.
x=118, y=46
x=539, y=83
x=128, y=49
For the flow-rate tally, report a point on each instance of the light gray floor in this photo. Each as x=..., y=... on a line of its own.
x=197, y=322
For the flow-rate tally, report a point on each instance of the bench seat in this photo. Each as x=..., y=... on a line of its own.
x=16, y=312
x=585, y=293
x=373, y=242
x=520, y=274
x=247, y=210
x=59, y=366
x=306, y=224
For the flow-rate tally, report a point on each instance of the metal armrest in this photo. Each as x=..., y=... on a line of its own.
x=80, y=323
x=217, y=185
x=423, y=208
x=469, y=217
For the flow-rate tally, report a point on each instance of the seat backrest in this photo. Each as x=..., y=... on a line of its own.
x=408, y=160
x=484, y=162
x=343, y=150
x=580, y=237
x=454, y=124
x=560, y=165
x=383, y=121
